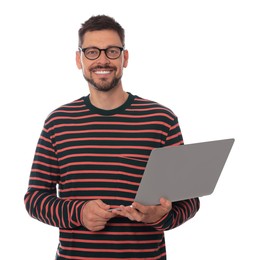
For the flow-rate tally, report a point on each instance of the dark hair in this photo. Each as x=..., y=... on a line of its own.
x=100, y=22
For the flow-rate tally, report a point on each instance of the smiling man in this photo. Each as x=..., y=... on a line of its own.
x=102, y=57
x=95, y=150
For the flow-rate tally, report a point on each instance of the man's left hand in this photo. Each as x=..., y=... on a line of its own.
x=146, y=214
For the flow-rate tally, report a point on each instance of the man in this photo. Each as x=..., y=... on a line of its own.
x=95, y=149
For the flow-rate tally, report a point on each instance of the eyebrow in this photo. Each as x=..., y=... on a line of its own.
x=109, y=46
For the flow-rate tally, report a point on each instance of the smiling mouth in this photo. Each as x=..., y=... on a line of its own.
x=102, y=72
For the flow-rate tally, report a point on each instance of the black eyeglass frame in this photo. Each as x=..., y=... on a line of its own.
x=100, y=50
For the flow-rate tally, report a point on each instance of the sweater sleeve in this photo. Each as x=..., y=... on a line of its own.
x=181, y=210
x=41, y=199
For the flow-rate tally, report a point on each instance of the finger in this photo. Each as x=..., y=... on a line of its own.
x=131, y=213
x=124, y=213
x=103, y=214
x=143, y=209
x=102, y=210
x=137, y=215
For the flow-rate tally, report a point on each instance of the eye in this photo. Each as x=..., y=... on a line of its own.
x=113, y=51
x=92, y=52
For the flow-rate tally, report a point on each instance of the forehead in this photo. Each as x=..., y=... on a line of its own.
x=101, y=39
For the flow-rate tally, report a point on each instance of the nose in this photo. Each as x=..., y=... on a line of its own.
x=103, y=57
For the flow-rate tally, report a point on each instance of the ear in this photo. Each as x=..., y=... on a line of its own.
x=78, y=60
x=126, y=57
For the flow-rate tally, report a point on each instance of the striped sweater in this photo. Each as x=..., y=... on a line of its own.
x=86, y=153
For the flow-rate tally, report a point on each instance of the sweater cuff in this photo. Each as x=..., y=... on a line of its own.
x=160, y=224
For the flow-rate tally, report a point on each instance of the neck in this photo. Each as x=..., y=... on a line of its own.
x=108, y=100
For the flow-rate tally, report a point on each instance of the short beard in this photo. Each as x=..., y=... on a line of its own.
x=104, y=86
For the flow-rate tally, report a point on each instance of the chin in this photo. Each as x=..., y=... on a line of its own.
x=104, y=86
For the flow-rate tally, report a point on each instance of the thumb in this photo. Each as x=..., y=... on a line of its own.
x=166, y=204
x=102, y=205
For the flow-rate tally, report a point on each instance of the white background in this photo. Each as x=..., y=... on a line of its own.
x=196, y=57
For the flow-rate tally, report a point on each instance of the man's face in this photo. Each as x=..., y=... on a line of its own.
x=102, y=73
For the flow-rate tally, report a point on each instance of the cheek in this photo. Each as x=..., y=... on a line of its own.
x=86, y=68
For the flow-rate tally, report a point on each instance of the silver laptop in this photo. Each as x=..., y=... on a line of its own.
x=183, y=172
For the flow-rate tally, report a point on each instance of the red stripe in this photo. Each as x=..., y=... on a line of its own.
x=99, y=197
x=71, y=118
x=45, y=148
x=45, y=139
x=107, y=250
x=173, y=136
x=100, y=172
x=62, y=214
x=57, y=211
x=105, y=147
x=105, y=123
x=128, y=156
x=109, y=131
x=99, y=163
x=116, y=242
x=46, y=164
x=98, y=189
x=70, y=111
x=46, y=156
x=117, y=115
x=97, y=181
x=143, y=102
x=107, y=139
x=145, y=116
x=40, y=187
x=41, y=179
x=76, y=106
x=52, y=214
x=44, y=172
x=86, y=232
x=146, y=108
x=174, y=126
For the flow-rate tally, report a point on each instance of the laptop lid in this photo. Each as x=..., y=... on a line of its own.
x=183, y=172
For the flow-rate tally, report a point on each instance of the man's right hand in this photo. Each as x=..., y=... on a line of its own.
x=95, y=215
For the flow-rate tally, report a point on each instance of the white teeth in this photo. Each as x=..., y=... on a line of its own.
x=102, y=72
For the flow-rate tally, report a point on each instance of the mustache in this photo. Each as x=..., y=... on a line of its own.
x=103, y=67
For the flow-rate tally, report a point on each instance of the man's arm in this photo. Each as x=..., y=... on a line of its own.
x=167, y=215
x=41, y=199
x=162, y=217
x=181, y=212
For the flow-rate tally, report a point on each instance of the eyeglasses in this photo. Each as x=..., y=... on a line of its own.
x=93, y=53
